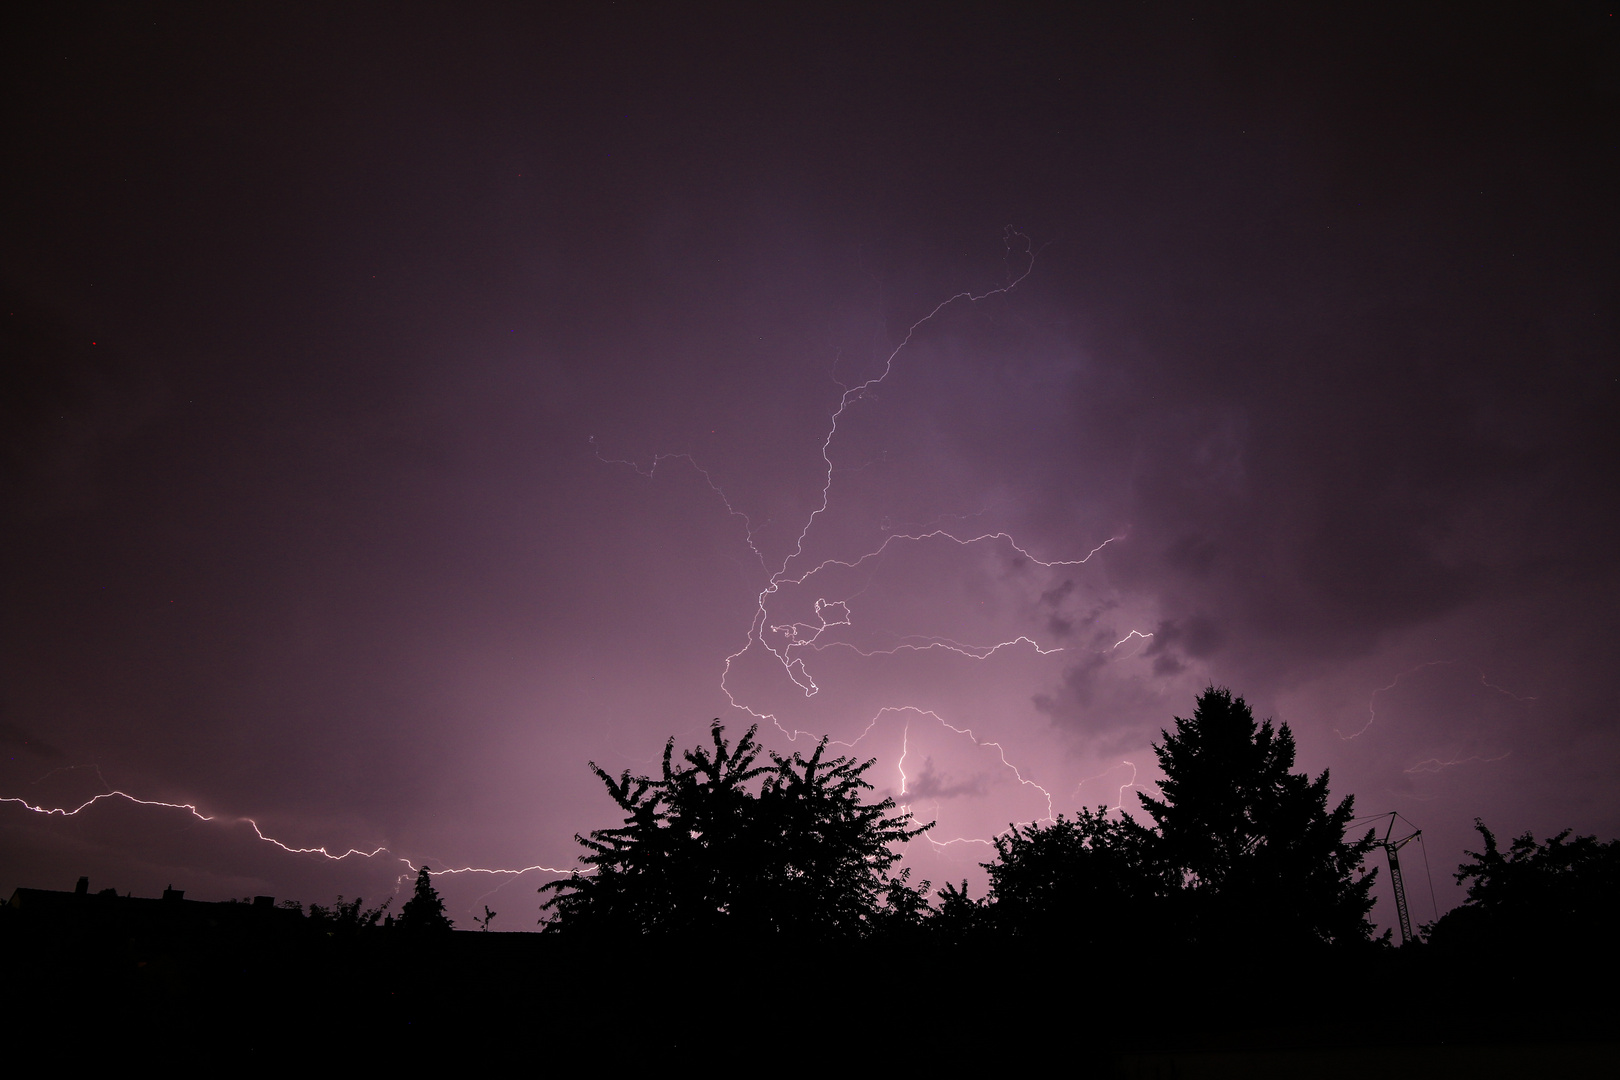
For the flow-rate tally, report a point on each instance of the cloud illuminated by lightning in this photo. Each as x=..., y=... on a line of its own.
x=790, y=643
x=787, y=643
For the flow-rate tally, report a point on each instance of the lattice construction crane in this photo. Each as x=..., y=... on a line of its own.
x=1392, y=844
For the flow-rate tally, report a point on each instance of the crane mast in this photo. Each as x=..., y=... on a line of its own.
x=1391, y=846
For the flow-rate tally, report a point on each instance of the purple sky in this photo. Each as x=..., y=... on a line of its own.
x=377, y=384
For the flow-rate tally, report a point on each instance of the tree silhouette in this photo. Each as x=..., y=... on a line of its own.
x=1086, y=881
x=1260, y=856
x=1536, y=898
x=701, y=852
x=959, y=918
x=346, y=917
x=424, y=911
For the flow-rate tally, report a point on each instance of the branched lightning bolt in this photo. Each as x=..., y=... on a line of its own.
x=651, y=471
x=790, y=635
x=1119, y=803
x=1001, y=753
x=789, y=643
x=783, y=642
x=806, y=635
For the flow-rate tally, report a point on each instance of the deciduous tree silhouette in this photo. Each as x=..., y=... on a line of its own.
x=1087, y=881
x=702, y=852
x=1557, y=897
x=960, y=919
x=346, y=917
x=424, y=911
x=1260, y=856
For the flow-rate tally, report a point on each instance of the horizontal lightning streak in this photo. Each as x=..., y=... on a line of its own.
x=191, y=808
x=1434, y=765
x=973, y=652
x=1133, y=635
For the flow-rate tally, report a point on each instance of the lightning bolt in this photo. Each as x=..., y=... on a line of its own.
x=1119, y=802
x=322, y=850
x=1372, y=716
x=786, y=643
x=1132, y=636
x=1434, y=765
x=790, y=643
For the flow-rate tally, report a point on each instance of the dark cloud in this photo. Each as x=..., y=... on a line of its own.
x=1079, y=689
x=931, y=784
x=17, y=738
x=1197, y=638
x=1166, y=664
x=1057, y=625
x=66, y=399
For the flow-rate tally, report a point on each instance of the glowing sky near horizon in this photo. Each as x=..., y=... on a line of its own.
x=471, y=401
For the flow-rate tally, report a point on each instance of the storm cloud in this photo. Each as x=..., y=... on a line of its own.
x=405, y=407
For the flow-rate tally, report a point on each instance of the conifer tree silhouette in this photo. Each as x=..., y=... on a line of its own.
x=424, y=911
x=1260, y=856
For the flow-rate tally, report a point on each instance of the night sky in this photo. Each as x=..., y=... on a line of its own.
x=406, y=405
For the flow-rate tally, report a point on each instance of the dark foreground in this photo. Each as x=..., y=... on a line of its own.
x=221, y=985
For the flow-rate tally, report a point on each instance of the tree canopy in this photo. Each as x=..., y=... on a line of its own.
x=1086, y=879
x=1260, y=855
x=1243, y=851
x=722, y=843
x=424, y=911
x=346, y=917
x=1535, y=896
